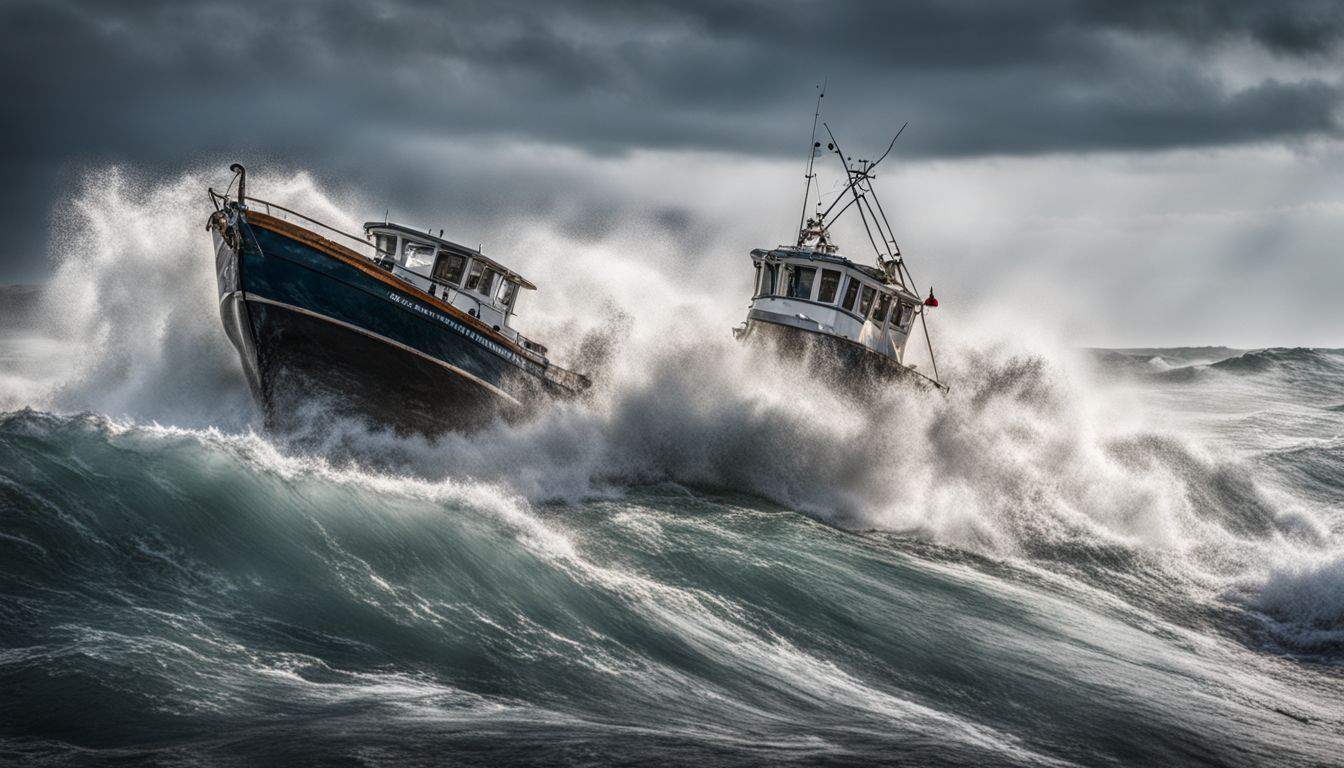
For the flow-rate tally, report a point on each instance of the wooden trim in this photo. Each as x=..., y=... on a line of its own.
x=347, y=256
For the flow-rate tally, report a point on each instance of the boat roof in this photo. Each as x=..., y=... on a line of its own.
x=815, y=255
x=450, y=246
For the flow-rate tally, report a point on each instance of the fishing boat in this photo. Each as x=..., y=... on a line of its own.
x=850, y=320
x=399, y=327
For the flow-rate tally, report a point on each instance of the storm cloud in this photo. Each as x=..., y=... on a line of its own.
x=403, y=99
x=986, y=78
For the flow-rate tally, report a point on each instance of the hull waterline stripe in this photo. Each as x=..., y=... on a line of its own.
x=351, y=327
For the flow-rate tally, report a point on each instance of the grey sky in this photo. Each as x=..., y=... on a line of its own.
x=425, y=106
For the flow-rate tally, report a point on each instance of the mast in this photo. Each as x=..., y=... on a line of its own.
x=855, y=177
x=811, y=157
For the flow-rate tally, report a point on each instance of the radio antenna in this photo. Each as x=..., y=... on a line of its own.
x=812, y=148
x=853, y=180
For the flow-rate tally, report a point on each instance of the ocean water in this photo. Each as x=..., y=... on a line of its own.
x=1075, y=558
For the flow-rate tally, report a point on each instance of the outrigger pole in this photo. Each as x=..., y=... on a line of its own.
x=860, y=195
x=811, y=156
x=925, y=324
x=854, y=179
x=861, y=183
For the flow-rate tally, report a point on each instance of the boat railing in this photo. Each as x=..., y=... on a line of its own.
x=271, y=208
x=448, y=292
x=220, y=199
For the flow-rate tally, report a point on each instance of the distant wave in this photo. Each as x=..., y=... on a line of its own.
x=1311, y=365
x=1173, y=363
x=1301, y=360
x=1316, y=468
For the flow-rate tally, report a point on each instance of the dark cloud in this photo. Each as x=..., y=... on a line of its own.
x=340, y=86
x=1292, y=28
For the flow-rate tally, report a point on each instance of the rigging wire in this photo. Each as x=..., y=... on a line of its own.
x=811, y=159
x=863, y=197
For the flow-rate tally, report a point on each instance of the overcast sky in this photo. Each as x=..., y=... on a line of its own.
x=1158, y=172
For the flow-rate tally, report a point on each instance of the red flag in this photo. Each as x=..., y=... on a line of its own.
x=931, y=301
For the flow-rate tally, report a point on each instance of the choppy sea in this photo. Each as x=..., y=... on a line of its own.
x=1077, y=557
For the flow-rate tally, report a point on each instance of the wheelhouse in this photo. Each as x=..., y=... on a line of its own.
x=460, y=276
x=823, y=292
x=807, y=292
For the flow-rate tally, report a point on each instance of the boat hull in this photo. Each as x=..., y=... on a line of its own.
x=837, y=359
x=319, y=334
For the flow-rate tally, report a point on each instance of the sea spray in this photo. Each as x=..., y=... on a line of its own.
x=1121, y=558
x=1029, y=448
x=133, y=297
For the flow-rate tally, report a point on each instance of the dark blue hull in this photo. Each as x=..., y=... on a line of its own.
x=317, y=329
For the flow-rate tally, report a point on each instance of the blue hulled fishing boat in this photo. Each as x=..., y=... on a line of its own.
x=399, y=327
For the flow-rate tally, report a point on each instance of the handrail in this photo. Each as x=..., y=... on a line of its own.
x=361, y=240
x=522, y=342
x=377, y=251
x=562, y=376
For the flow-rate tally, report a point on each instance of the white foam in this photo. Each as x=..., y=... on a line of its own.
x=1305, y=596
x=1027, y=453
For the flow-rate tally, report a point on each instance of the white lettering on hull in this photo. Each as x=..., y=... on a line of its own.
x=470, y=333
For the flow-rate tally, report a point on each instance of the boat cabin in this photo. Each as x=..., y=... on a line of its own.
x=820, y=291
x=460, y=276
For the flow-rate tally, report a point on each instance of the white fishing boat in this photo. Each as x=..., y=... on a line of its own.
x=813, y=303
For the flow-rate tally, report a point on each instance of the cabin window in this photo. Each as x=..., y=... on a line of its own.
x=507, y=292
x=765, y=279
x=906, y=313
x=800, y=282
x=851, y=293
x=866, y=303
x=883, y=304
x=488, y=278
x=419, y=257
x=387, y=247
x=830, y=285
x=474, y=276
x=449, y=268
x=765, y=276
